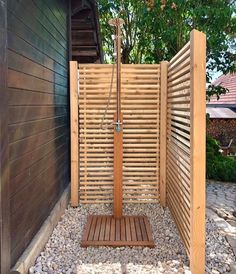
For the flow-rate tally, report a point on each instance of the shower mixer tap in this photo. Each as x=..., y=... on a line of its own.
x=118, y=125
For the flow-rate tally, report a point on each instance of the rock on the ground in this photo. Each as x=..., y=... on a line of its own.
x=63, y=254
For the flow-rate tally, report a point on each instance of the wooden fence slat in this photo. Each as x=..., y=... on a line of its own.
x=74, y=133
x=198, y=150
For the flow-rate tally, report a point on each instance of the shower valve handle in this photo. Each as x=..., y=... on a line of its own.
x=118, y=125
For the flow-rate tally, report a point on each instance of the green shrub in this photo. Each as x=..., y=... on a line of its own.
x=218, y=166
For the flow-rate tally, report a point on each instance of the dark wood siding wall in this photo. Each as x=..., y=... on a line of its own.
x=4, y=147
x=38, y=114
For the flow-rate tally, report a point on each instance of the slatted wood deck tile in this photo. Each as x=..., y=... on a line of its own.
x=108, y=231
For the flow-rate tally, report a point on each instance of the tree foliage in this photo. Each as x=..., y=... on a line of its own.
x=218, y=166
x=156, y=30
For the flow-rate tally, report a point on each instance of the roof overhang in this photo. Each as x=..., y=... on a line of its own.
x=221, y=113
x=86, y=40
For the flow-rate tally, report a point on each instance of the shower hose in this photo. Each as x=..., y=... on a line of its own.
x=108, y=102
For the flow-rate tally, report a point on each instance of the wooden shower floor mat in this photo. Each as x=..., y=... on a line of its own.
x=109, y=231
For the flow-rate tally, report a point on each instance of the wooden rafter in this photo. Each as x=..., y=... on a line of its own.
x=85, y=32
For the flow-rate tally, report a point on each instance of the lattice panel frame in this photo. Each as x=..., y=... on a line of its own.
x=186, y=132
x=140, y=100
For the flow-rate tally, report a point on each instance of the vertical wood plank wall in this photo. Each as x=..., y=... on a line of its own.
x=38, y=126
x=140, y=99
x=186, y=147
x=4, y=146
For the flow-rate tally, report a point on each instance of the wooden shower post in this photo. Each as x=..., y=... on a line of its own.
x=74, y=133
x=163, y=131
x=118, y=129
x=118, y=171
x=198, y=151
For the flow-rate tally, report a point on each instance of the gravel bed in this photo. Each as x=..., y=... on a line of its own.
x=63, y=253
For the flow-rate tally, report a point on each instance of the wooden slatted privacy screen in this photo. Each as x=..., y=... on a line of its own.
x=178, y=142
x=180, y=131
x=140, y=94
x=185, y=169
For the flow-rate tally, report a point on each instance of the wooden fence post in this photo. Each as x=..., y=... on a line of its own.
x=163, y=136
x=198, y=151
x=74, y=133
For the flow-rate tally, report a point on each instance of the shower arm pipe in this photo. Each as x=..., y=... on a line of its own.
x=118, y=71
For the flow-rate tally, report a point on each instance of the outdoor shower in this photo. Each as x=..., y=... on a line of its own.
x=118, y=134
x=118, y=121
x=118, y=228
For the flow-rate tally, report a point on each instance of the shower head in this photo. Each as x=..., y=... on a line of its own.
x=116, y=22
